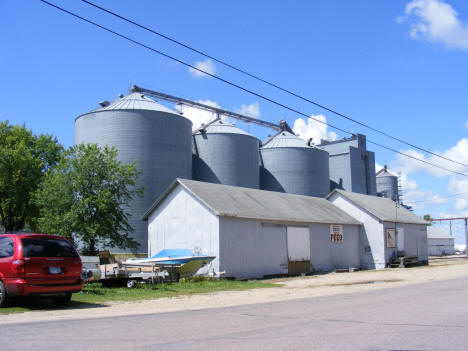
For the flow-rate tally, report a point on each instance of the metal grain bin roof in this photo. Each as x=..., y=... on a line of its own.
x=134, y=101
x=385, y=173
x=221, y=127
x=382, y=208
x=284, y=139
x=246, y=203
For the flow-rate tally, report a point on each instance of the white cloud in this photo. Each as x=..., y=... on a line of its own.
x=461, y=204
x=457, y=186
x=252, y=110
x=208, y=66
x=436, y=21
x=458, y=153
x=313, y=129
x=196, y=115
x=199, y=116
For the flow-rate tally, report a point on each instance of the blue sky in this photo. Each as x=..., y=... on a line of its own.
x=399, y=66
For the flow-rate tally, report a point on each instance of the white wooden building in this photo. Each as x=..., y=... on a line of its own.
x=253, y=233
x=439, y=242
x=387, y=228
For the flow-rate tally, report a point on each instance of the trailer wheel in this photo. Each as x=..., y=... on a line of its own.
x=131, y=283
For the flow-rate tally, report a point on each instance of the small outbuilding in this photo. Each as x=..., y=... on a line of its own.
x=439, y=242
x=253, y=233
x=389, y=230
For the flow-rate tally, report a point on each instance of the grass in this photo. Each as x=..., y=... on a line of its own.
x=95, y=295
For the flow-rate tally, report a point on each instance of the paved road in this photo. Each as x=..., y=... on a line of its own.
x=431, y=316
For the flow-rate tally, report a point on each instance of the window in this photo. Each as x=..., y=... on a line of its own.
x=47, y=248
x=6, y=247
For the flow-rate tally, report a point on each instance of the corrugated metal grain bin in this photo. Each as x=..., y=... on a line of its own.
x=227, y=155
x=289, y=165
x=156, y=137
x=387, y=184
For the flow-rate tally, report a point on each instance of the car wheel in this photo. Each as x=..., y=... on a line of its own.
x=3, y=295
x=62, y=300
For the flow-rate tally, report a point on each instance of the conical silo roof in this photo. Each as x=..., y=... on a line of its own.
x=284, y=139
x=134, y=101
x=384, y=172
x=221, y=127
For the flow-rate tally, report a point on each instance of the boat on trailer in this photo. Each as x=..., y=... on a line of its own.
x=187, y=262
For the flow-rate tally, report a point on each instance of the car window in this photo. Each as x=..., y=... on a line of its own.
x=38, y=247
x=6, y=247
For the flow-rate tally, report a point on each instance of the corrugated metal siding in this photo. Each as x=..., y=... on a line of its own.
x=352, y=167
x=159, y=141
x=388, y=185
x=226, y=158
x=289, y=165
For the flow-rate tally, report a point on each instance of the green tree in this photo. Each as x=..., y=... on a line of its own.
x=428, y=217
x=84, y=197
x=24, y=159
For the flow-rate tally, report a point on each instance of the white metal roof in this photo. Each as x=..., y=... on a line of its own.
x=246, y=203
x=382, y=208
x=384, y=172
x=284, y=139
x=435, y=232
x=135, y=101
x=221, y=127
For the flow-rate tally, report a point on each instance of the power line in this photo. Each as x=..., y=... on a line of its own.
x=438, y=198
x=268, y=82
x=235, y=85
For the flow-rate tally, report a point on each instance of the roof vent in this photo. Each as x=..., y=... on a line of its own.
x=104, y=103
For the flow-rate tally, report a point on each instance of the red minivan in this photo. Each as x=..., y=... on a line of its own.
x=38, y=264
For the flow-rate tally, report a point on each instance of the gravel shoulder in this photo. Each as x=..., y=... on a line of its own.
x=293, y=288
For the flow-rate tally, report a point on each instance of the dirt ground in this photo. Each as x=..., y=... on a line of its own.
x=293, y=288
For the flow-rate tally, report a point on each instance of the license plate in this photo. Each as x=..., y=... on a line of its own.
x=54, y=270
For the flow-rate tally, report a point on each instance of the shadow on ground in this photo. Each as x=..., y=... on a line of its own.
x=24, y=304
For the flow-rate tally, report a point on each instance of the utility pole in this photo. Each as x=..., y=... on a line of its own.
x=466, y=237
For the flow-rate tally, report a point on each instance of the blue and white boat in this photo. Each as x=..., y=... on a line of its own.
x=187, y=260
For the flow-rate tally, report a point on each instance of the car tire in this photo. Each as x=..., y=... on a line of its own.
x=3, y=295
x=62, y=300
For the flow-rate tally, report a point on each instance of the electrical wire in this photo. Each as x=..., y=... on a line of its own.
x=438, y=198
x=236, y=85
x=268, y=82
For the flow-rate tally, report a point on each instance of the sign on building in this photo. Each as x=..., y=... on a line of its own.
x=336, y=233
x=390, y=237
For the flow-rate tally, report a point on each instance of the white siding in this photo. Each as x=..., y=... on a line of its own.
x=372, y=238
x=415, y=240
x=250, y=249
x=182, y=222
x=440, y=247
x=326, y=256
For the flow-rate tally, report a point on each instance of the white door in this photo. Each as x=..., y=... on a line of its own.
x=298, y=244
x=401, y=239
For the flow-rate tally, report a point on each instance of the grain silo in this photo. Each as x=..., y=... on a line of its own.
x=290, y=165
x=225, y=154
x=142, y=130
x=387, y=184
